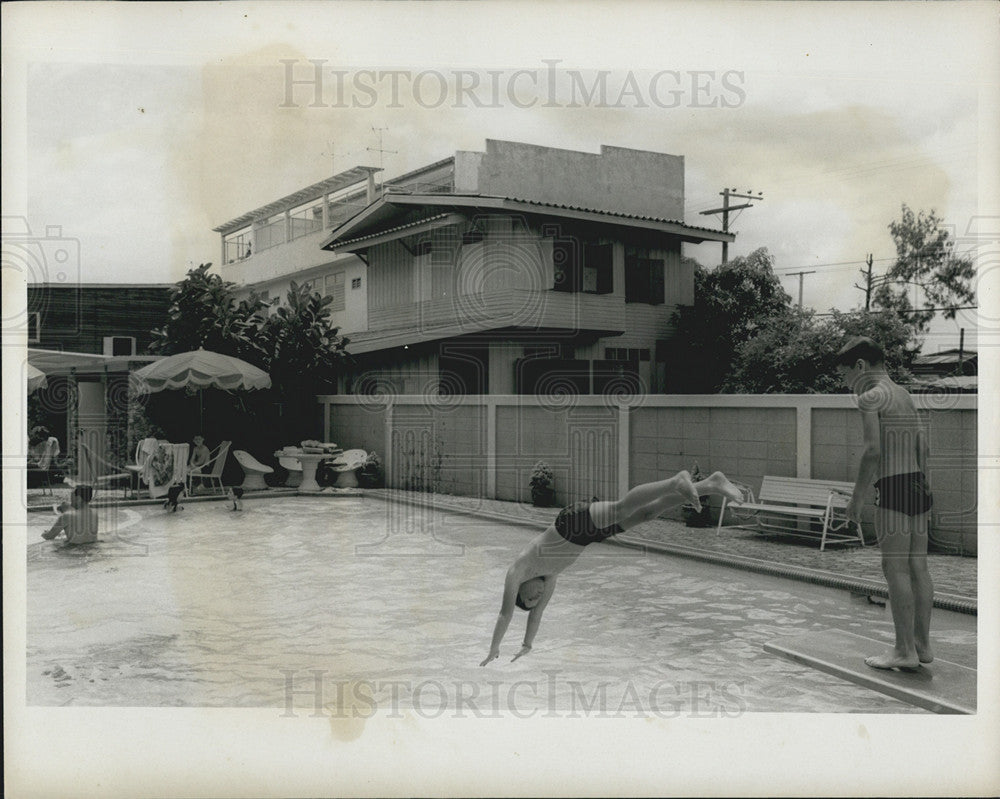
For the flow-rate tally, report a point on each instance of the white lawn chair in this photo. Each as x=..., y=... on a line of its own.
x=211, y=472
x=253, y=469
x=294, y=468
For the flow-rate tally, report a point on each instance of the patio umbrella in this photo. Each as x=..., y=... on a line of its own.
x=36, y=378
x=201, y=369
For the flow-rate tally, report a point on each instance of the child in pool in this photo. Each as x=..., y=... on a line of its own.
x=236, y=497
x=532, y=577
x=173, y=501
x=77, y=520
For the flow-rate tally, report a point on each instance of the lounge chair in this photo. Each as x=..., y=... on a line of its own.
x=253, y=469
x=211, y=471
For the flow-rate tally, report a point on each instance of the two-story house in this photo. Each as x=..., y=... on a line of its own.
x=519, y=269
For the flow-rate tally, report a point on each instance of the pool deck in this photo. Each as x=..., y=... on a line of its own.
x=852, y=568
x=849, y=567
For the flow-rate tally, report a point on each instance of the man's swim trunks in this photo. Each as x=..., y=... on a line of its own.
x=904, y=493
x=575, y=525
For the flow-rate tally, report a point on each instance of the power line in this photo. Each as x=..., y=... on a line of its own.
x=914, y=310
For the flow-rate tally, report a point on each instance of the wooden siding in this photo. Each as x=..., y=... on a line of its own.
x=77, y=319
x=390, y=281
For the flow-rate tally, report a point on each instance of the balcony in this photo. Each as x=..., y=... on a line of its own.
x=511, y=311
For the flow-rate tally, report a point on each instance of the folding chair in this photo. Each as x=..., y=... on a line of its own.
x=217, y=461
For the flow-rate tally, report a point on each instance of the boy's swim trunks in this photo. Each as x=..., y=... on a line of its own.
x=575, y=525
x=904, y=493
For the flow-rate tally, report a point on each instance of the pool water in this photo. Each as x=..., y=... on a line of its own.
x=353, y=605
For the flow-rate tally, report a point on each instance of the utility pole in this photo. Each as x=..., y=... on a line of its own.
x=379, y=149
x=726, y=208
x=802, y=275
x=867, y=288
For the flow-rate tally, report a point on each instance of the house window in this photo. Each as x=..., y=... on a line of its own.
x=579, y=266
x=34, y=328
x=355, y=283
x=643, y=277
x=567, y=265
x=597, y=270
x=633, y=354
x=333, y=286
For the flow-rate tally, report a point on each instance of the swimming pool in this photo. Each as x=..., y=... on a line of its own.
x=357, y=606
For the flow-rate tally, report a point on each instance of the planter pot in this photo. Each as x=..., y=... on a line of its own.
x=698, y=518
x=542, y=497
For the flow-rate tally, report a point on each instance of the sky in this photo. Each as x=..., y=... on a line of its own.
x=145, y=126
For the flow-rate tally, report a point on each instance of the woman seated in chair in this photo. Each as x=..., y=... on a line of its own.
x=43, y=449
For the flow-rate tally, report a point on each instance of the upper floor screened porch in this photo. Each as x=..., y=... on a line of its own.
x=285, y=236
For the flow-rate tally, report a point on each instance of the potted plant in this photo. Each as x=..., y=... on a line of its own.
x=692, y=516
x=372, y=473
x=542, y=492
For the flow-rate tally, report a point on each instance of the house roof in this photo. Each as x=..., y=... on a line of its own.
x=968, y=383
x=342, y=180
x=944, y=356
x=371, y=220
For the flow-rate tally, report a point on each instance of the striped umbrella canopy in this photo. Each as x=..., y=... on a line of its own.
x=36, y=378
x=201, y=369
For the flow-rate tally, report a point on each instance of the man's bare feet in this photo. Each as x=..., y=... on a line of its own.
x=892, y=660
x=924, y=654
x=686, y=489
x=718, y=483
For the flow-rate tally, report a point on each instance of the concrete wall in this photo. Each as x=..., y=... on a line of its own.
x=618, y=179
x=486, y=446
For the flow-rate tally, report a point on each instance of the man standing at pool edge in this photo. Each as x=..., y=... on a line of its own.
x=895, y=452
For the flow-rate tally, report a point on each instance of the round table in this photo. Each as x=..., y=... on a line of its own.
x=309, y=463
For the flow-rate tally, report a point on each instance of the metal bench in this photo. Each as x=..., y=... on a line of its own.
x=785, y=502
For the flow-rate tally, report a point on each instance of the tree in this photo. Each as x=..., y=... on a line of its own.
x=732, y=303
x=204, y=313
x=299, y=341
x=304, y=355
x=796, y=354
x=296, y=345
x=925, y=257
